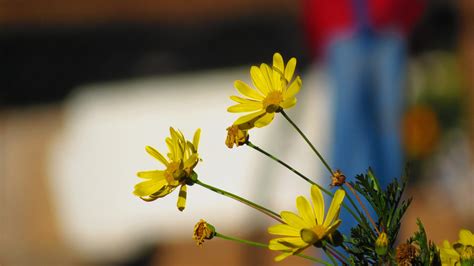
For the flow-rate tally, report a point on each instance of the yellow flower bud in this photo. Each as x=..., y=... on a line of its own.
x=381, y=244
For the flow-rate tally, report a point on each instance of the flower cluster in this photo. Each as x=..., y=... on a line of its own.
x=371, y=240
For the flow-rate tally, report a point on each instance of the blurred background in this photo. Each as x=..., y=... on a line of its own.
x=85, y=85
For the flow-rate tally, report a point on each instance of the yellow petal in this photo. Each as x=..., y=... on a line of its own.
x=182, y=198
x=245, y=89
x=278, y=62
x=267, y=73
x=294, y=88
x=276, y=80
x=242, y=100
x=244, y=107
x=288, y=103
x=259, y=80
x=306, y=211
x=290, y=69
x=153, y=174
x=196, y=138
x=164, y=191
x=292, y=242
x=157, y=155
x=284, y=230
x=274, y=244
x=264, y=120
x=466, y=237
x=318, y=203
x=334, y=208
x=169, y=144
x=249, y=117
x=149, y=187
x=333, y=227
x=293, y=220
x=191, y=161
x=283, y=256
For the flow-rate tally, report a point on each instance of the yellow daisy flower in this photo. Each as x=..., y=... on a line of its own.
x=182, y=158
x=307, y=228
x=276, y=90
x=461, y=252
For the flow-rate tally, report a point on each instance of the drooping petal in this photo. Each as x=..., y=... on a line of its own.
x=290, y=69
x=157, y=155
x=182, y=198
x=244, y=107
x=288, y=103
x=259, y=80
x=196, y=138
x=278, y=62
x=249, y=117
x=283, y=256
x=318, y=203
x=334, y=208
x=293, y=220
x=274, y=244
x=245, y=90
x=149, y=187
x=152, y=174
x=265, y=120
x=294, y=88
x=292, y=242
x=242, y=100
x=284, y=230
x=306, y=211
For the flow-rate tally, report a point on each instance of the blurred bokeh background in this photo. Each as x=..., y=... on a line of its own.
x=85, y=85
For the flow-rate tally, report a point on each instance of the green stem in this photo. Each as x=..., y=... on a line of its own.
x=262, y=209
x=309, y=142
x=330, y=256
x=334, y=249
x=329, y=193
x=348, y=196
x=262, y=245
x=289, y=167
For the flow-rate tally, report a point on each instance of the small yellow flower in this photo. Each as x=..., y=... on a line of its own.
x=202, y=231
x=182, y=158
x=309, y=227
x=276, y=90
x=236, y=136
x=461, y=252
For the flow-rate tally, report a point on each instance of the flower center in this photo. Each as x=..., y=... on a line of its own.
x=172, y=172
x=313, y=235
x=272, y=102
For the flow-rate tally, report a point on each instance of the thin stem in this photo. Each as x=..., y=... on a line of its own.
x=363, y=207
x=262, y=209
x=309, y=142
x=330, y=256
x=334, y=249
x=353, y=204
x=262, y=245
x=289, y=167
x=329, y=193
